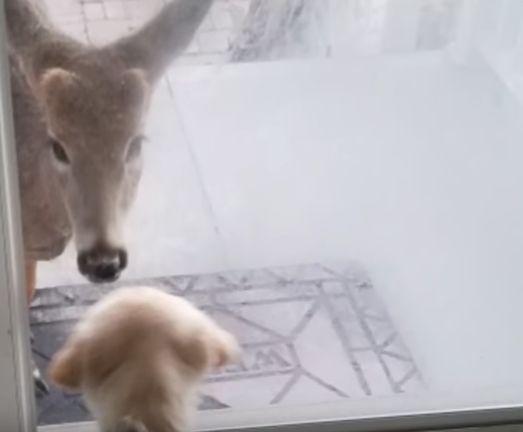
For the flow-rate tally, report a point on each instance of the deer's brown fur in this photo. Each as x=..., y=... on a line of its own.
x=79, y=112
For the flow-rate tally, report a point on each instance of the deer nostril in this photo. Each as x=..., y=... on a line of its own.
x=102, y=264
x=122, y=255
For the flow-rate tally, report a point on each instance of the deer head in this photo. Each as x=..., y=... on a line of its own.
x=94, y=101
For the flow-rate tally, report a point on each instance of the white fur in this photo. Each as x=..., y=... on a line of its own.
x=153, y=350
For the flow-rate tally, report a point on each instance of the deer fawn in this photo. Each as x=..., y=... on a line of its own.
x=79, y=113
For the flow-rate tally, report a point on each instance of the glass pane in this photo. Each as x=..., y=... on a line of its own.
x=337, y=182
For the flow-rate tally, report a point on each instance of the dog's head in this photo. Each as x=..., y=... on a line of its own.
x=141, y=345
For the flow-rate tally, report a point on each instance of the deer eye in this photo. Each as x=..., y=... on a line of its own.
x=58, y=151
x=135, y=147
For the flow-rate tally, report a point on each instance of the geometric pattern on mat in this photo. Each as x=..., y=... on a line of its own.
x=310, y=334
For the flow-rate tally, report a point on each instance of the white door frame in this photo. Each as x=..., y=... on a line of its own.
x=17, y=413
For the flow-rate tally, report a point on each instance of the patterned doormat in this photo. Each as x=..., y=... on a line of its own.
x=310, y=334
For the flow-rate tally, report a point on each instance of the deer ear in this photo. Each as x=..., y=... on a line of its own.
x=33, y=41
x=166, y=36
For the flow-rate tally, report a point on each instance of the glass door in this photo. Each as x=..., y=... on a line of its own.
x=339, y=184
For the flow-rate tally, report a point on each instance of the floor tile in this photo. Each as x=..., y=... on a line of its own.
x=100, y=31
x=93, y=11
x=114, y=10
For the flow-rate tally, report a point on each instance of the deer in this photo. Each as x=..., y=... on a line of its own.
x=79, y=112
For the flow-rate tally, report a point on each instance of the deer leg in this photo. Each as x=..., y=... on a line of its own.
x=30, y=279
x=30, y=288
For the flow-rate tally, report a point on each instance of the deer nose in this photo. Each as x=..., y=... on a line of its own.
x=102, y=264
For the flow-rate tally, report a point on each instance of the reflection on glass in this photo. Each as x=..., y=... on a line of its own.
x=336, y=182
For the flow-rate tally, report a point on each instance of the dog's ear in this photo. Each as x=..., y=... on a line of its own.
x=65, y=369
x=160, y=41
x=223, y=348
x=110, y=349
x=210, y=348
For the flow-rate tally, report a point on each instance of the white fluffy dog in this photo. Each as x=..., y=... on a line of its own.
x=138, y=356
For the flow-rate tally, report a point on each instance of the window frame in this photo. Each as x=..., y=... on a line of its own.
x=17, y=406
